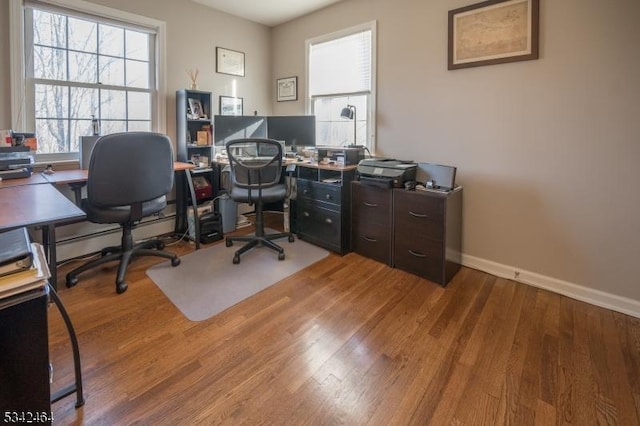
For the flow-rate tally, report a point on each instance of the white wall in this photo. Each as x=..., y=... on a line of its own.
x=548, y=151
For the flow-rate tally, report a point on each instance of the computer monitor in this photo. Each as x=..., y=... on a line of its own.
x=294, y=130
x=230, y=127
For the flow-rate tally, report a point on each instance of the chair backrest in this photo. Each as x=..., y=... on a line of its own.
x=256, y=163
x=129, y=168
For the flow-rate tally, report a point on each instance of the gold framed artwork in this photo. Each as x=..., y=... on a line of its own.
x=493, y=32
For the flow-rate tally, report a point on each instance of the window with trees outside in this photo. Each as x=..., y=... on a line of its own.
x=341, y=73
x=81, y=67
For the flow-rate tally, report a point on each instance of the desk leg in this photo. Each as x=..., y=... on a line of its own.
x=49, y=244
x=76, y=187
x=77, y=387
x=194, y=205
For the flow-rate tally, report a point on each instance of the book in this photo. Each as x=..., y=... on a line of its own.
x=202, y=138
x=28, y=279
x=15, y=251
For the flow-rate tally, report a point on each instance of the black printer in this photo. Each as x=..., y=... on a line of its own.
x=15, y=165
x=386, y=172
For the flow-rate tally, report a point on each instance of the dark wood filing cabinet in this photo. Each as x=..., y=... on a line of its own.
x=371, y=221
x=25, y=394
x=323, y=205
x=427, y=233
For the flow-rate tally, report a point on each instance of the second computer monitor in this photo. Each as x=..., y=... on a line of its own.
x=294, y=130
x=230, y=127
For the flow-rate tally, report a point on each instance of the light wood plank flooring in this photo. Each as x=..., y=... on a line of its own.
x=347, y=341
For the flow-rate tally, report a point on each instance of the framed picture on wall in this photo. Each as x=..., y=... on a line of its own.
x=230, y=105
x=287, y=89
x=229, y=61
x=493, y=32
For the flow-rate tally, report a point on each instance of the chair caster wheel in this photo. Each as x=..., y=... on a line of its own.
x=104, y=253
x=281, y=256
x=121, y=287
x=236, y=259
x=291, y=239
x=175, y=261
x=228, y=242
x=160, y=246
x=72, y=281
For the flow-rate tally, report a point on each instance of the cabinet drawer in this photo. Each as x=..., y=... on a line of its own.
x=372, y=240
x=410, y=226
x=320, y=225
x=370, y=205
x=319, y=191
x=424, y=258
x=419, y=205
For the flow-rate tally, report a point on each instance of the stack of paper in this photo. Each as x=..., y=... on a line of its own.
x=22, y=280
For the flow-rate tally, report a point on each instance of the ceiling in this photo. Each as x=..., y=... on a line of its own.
x=267, y=12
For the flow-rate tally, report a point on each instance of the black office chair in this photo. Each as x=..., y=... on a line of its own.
x=256, y=169
x=129, y=177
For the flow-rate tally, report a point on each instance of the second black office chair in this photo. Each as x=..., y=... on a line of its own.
x=256, y=169
x=129, y=177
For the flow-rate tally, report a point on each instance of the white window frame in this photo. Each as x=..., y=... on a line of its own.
x=18, y=84
x=371, y=109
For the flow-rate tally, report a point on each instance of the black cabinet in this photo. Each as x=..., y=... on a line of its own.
x=371, y=225
x=427, y=233
x=417, y=231
x=323, y=205
x=24, y=358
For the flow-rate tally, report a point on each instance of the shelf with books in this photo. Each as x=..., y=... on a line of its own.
x=194, y=143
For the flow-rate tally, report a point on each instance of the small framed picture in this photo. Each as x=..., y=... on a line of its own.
x=195, y=106
x=287, y=89
x=230, y=105
x=229, y=62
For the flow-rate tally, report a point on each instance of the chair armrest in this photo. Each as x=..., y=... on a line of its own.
x=289, y=171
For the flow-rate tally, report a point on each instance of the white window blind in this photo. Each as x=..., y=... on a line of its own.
x=342, y=65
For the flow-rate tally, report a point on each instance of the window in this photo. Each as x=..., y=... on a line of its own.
x=80, y=65
x=341, y=72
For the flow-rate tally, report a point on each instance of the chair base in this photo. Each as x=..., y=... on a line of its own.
x=125, y=255
x=259, y=241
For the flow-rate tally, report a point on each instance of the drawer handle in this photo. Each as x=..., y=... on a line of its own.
x=417, y=214
x=328, y=220
x=305, y=214
x=370, y=204
x=371, y=240
x=416, y=254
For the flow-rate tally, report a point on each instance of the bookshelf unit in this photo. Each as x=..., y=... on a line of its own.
x=194, y=134
x=194, y=143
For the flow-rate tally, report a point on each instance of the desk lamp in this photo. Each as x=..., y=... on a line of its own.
x=349, y=112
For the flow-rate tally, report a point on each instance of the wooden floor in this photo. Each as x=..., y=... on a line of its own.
x=347, y=341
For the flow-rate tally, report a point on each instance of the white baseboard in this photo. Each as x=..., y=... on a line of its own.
x=93, y=242
x=574, y=291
